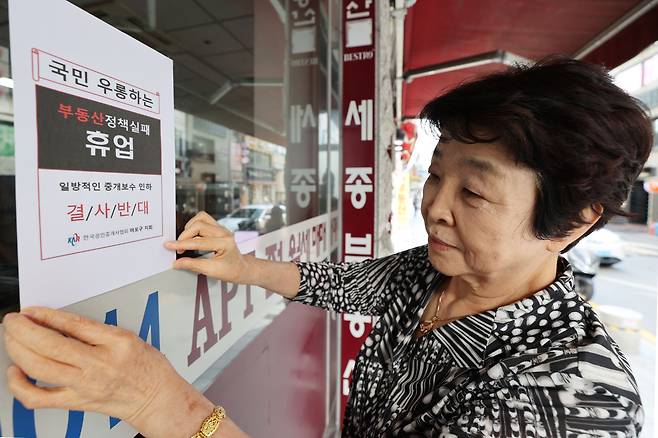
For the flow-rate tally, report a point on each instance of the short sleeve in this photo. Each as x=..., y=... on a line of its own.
x=347, y=287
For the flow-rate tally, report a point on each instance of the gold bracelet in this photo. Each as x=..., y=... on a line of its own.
x=211, y=423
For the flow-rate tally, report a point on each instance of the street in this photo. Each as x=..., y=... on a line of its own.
x=633, y=282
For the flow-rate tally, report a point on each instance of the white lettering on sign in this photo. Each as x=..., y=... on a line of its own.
x=361, y=114
x=357, y=324
x=123, y=145
x=357, y=248
x=359, y=56
x=301, y=62
x=300, y=117
x=303, y=184
x=347, y=373
x=358, y=24
x=305, y=16
x=358, y=183
x=352, y=8
x=303, y=29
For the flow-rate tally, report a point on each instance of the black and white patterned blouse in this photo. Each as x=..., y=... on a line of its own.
x=540, y=367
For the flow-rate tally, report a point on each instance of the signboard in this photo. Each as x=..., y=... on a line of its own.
x=358, y=161
x=95, y=167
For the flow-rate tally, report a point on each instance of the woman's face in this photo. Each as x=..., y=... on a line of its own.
x=478, y=207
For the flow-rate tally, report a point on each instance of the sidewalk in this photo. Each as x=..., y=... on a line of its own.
x=643, y=365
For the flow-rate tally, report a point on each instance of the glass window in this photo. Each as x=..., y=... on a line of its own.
x=256, y=120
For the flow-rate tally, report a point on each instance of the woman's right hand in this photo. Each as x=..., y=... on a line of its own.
x=203, y=233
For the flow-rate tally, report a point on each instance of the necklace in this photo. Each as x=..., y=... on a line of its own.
x=427, y=325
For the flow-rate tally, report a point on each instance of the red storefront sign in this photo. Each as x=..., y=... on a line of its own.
x=358, y=162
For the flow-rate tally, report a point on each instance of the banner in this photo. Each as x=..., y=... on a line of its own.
x=359, y=82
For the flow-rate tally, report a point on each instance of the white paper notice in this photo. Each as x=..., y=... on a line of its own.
x=94, y=117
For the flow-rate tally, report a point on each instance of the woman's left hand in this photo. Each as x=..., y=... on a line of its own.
x=98, y=367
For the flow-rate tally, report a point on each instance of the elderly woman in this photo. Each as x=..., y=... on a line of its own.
x=480, y=332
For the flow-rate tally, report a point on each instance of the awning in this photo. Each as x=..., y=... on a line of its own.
x=439, y=33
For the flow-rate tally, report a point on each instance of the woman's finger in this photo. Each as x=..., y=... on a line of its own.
x=32, y=396
x=40, y=367
x=35, y=331
x=199, y=265
x=201, y=229
x=196, y=218
x=77, y=326
x=201, y=217
x=200, y=244
x=205, y=218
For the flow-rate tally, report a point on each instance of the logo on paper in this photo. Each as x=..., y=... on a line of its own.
x=74, y=239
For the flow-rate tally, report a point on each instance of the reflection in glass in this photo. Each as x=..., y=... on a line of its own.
x=233, y=84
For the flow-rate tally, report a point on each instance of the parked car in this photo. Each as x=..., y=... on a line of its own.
x=585, y=264
x=255, y=217
x=607, y=245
